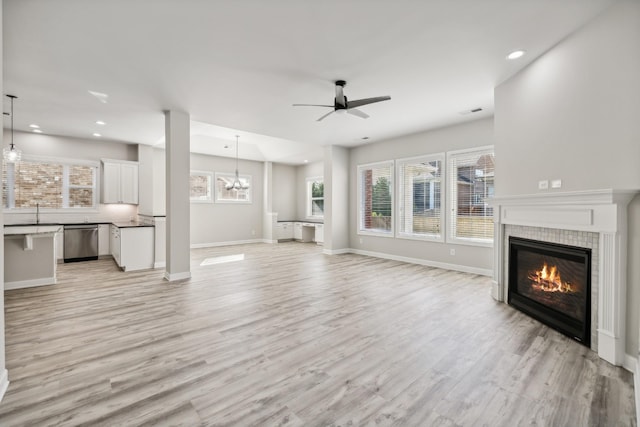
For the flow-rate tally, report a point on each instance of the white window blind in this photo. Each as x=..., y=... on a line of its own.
x=375, y=198
x=420, y=197
x=471, y=183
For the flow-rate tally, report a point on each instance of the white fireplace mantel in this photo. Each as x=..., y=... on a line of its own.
x=600, y=211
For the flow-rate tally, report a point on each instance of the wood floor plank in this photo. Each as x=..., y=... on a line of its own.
x=292, y=337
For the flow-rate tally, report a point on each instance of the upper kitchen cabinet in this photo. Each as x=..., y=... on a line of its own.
x=119, y=181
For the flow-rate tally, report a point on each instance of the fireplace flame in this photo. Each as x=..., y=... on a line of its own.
x=548, y=279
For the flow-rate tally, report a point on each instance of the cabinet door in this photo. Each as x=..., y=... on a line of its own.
x=319, y=233
x=116, y=245
x=104, y=239
x=297, y=231
x=129, y=183
x=110, y=182
x=137, y=248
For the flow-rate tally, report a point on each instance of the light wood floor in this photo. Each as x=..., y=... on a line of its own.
x=292, y=337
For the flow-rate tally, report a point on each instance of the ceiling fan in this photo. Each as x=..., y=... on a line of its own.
x=342, y=105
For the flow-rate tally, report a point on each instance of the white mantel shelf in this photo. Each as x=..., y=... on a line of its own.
x=599, y=211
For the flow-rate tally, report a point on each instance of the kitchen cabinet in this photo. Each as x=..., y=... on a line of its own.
x=319, y=234
x=104, y=237
x=297, y=231
x=132, y=247
x=119, y=181
x=284, y=231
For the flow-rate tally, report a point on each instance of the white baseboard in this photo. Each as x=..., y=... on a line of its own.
x=231, y=243
x=336, y=251
x=443, y=265
x=631, y=365
x=177, y=276
x=159, y=264
x=269, y=241
x=4, y=383
x=30, y=283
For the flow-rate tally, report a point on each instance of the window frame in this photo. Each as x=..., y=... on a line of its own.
x=310, y=199
x=452, y=205
x=359, y=208
x=233, y=201
x=441, y=157
x=66, y=163
x=209, y=197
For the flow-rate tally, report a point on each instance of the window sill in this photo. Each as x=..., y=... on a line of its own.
x=423, y=238
x=388, y=234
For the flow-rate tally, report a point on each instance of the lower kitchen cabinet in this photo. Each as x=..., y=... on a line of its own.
x=132, y=247
x=284, y=231
x=319, y=233
x=104, y=239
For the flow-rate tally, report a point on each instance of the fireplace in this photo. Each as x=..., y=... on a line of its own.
x=552, y=283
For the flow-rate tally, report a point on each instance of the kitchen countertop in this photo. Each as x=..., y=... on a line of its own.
x=129, y=224
x=32, y=229
x=299, y=220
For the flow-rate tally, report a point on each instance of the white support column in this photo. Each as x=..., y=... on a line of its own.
x=269, y=218
x=177, y=133
x=336, y=200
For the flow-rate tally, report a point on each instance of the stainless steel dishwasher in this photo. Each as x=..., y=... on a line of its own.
x=80, y=242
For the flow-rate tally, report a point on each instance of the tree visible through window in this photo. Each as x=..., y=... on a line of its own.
x=315, y=191
x=375, y=188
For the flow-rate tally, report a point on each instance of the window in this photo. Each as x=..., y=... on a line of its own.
x=49, y=183
x=420, y=197
x=471, y=183
x=201, y=187
x=315, y=197
x=223, y=195
x=375, y=199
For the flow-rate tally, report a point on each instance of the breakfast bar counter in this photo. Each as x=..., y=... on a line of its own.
x=30, y=256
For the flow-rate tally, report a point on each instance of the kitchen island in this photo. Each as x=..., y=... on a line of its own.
x=30, y=255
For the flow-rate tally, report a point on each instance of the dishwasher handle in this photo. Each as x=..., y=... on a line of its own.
x=80, y=226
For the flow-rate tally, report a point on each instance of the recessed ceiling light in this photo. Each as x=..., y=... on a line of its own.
x=100, y=122
x=515, y=54
x=306, y=161
x=97, y=135
x=34, y=126
x=37, y=131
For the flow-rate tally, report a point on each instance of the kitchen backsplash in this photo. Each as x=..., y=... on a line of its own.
x=105, y=213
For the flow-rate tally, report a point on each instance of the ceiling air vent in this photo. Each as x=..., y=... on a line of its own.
x=475, y=110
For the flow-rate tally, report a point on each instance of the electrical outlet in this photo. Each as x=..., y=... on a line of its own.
x=543, y=185
x=452, y=251
x=556, y=183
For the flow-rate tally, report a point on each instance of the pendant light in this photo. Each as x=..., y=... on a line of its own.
x=237, y=185
x=11, y=154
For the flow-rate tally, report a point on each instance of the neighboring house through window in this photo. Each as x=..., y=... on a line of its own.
x=223, y=195
x=471, y=182
x=375, y=199
x=201, y=187
x=50, y=183
x=420, y=197
x=315, y=197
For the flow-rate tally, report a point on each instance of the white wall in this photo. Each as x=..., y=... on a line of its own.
x=311, y=170
x=574, y=114
x=213, y=223
x=468, y=135
x=284, y=192
x=74, y=148
x=4, y=379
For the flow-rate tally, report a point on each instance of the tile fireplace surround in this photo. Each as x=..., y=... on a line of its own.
x=590, y=219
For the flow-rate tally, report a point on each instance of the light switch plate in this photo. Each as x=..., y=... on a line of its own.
x=543, y=185
x=556, y=183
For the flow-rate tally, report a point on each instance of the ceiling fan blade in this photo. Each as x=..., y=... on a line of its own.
x=358, y=113
x=340, y=96
x=330, y=112
x=366, y=101
x=312, y=105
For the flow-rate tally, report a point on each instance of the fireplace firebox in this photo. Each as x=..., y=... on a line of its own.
x=552, y=283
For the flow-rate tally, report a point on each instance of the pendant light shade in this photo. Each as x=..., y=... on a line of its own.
x=11, y=154
x=237, y=184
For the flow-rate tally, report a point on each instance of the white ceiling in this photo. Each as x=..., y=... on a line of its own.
x=237, y=66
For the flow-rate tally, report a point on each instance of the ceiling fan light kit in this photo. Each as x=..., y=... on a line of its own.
x=342, y=105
